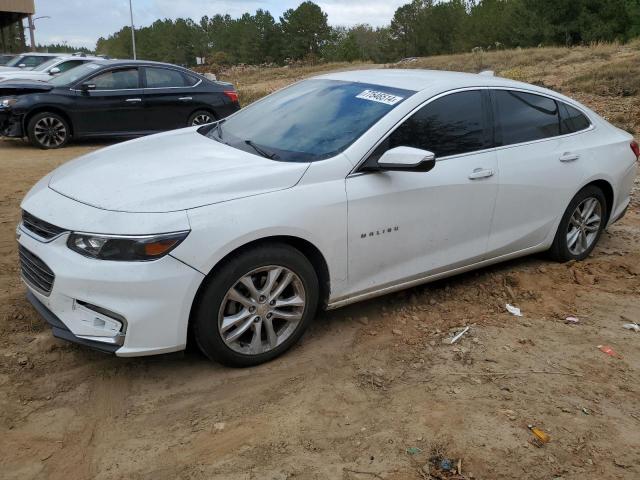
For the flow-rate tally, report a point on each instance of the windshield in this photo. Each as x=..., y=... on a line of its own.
x=15, y=61
x=309, y=121
x=43, y=66
x=71, y=76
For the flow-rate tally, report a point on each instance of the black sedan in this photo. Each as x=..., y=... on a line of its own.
x=111, y=99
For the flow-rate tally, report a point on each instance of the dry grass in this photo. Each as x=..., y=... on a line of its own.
x=604, y=76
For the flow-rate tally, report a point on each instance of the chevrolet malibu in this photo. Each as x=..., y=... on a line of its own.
x=332, y=191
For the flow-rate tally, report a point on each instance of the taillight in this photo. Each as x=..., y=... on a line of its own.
x=636, y=149
x=232, y=94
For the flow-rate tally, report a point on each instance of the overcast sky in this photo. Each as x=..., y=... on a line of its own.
x=82, y=22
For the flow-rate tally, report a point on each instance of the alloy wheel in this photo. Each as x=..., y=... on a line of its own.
x=201, y=119
x=584, y=226
x=261, y=310
x=50, y=132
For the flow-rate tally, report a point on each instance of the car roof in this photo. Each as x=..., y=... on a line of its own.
x=434, y=80
x=116, y=63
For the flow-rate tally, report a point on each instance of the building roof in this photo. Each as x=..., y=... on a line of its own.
x=17, y=6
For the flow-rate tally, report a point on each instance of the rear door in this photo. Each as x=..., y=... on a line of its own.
x=169, y=97
x=115, y=105
x=539, y=157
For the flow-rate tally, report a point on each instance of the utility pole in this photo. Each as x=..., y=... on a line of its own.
x=133, y=31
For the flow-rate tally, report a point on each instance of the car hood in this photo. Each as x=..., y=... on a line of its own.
x=22, y=75
x=17, y=86
x=170, y=171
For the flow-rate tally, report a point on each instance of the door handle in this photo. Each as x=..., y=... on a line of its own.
x=134, y=100
x=479, y=173
x=186, y=99
x=569, y=157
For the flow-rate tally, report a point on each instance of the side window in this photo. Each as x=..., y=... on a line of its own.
x=524, y=117
x=572, y=120
x=64, y=66
x=450, y=125
x=123, y=79
x=33, y=61
x=165, y=78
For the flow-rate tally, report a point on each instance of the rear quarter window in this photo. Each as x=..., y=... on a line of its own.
x=572, y=120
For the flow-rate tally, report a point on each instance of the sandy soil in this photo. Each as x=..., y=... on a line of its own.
x=372, y=392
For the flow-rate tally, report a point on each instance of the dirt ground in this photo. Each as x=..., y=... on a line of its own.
x=371, y=392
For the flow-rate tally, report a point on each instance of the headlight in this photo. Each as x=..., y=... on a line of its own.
x=8, y=102
x=125, y=248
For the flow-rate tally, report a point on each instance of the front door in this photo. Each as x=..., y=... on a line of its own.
x=406, y=225
x=114, y=105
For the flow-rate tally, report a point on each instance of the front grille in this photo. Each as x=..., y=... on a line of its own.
x=35, y=272
x=40, y=227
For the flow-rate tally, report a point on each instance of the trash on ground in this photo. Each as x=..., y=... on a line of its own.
x=608, y=350
x=514, y=310
x=585, y=411
x=456, y=337
x=572, y=320
x=446, y=464
x=540, y=437
x=632, y=326
x=413, y=450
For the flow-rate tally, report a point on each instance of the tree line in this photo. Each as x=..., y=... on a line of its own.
x=418, y=28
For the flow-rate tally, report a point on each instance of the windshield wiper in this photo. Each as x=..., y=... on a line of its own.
x=264, y=153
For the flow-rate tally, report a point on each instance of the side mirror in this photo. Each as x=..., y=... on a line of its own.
x=407, y=159
x=22, y=65
x=87, y=86
x=54, y=71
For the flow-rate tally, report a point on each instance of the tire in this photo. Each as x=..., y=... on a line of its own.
x=225, y=329
x=48, y=130
x=586, y=232
x=201, y=117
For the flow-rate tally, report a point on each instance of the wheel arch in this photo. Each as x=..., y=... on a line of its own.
x=609, y=195
x=41, y=109
x=308, y=249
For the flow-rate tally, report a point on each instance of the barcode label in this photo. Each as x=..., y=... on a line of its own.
x=379, y=97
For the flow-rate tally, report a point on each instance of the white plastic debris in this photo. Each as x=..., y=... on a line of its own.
x=514, y=310
x=572, y=320
x=458, y=336
x=632, y=326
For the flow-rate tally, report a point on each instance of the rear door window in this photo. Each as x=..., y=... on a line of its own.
x=524, y=117
x=165, y=78
x=64, y=66
x=451, y=125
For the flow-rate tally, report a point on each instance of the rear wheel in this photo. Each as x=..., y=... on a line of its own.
x=256, y=306
x=581, y=226
x=48, y=130
x=201, y=117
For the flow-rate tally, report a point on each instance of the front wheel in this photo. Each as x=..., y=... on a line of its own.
x=581, y=226
x=48, y=130
x=256, y=306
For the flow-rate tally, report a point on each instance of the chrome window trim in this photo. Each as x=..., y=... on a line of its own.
x=592, y=126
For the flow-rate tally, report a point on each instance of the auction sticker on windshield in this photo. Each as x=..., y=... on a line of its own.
x=379, y=97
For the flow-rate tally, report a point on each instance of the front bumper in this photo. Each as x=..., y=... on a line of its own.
x=150, y=300
x=11, y=124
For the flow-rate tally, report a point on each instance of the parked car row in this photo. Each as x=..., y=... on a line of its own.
x=77, y=97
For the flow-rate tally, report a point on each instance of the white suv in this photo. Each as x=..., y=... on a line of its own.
x=49, y=69
x=331, y=191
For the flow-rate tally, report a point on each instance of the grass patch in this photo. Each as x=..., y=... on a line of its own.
x=613, y=79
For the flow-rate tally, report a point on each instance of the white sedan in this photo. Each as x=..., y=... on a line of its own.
x=47, y=70
x=331, y=191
